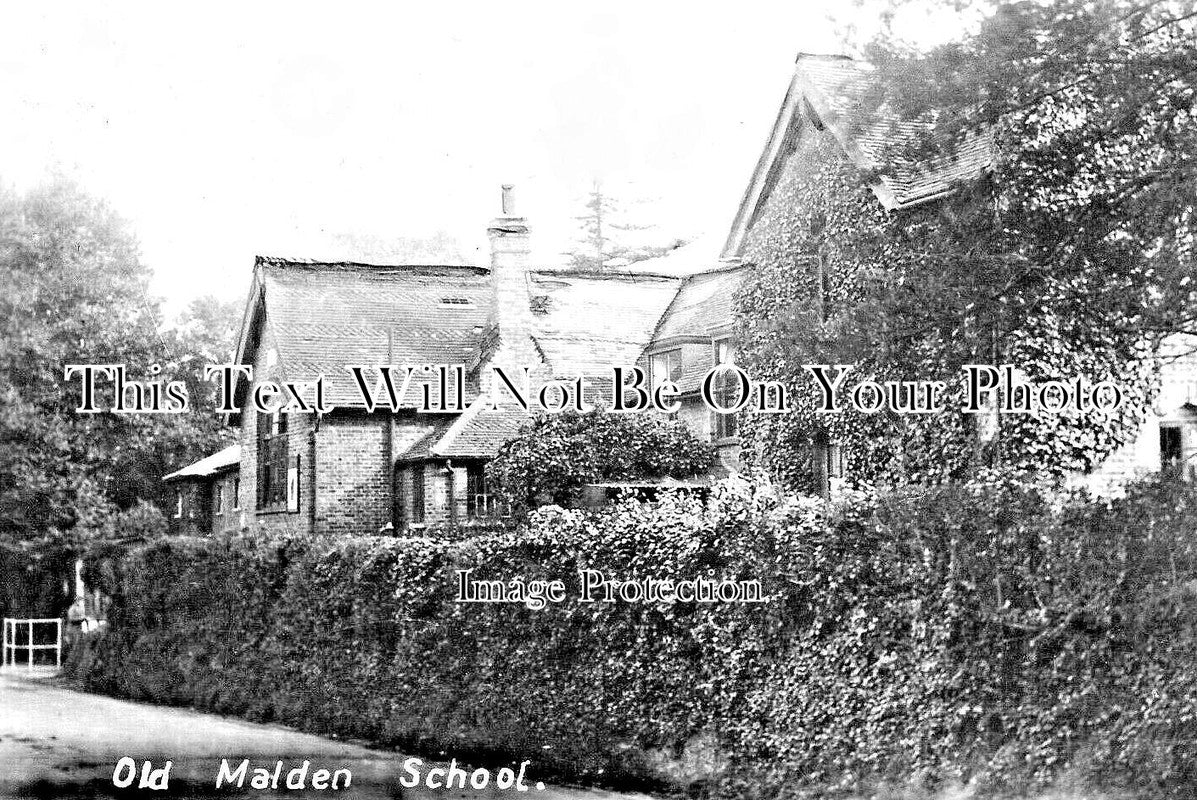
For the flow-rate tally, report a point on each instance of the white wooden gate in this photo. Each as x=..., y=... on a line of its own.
x=17, y=631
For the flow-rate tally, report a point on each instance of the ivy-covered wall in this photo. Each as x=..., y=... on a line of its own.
x=906, y=295
x=965, y=633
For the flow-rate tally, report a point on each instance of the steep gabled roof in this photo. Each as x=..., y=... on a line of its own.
x=326, y=315
x=830, y=88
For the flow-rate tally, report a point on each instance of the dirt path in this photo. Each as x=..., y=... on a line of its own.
x=56, y=742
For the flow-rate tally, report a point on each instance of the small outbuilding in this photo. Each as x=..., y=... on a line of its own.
x=205, y=495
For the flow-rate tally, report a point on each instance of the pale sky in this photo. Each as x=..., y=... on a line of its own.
x=226, y=130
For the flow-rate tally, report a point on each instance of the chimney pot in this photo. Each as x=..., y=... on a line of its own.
x=508, y=200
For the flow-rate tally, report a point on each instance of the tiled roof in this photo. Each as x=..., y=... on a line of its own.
x=833, y=88
x=480, y=431
x=835, y=85
x=590, y=322
x=703, y=304
x=222, y=461
x=326, y=316
x=421, y=448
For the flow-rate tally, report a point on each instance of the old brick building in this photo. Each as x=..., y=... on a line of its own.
x=362, y=470
x=816, y=116
x=205, y=496
x=359, y=470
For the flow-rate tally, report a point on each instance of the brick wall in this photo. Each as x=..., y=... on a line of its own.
x=299, y=431
x=353, y=478
x=227, y=517
x=436, y=481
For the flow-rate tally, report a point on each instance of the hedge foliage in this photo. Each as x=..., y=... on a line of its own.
x=557, y=454
x=31, y=579
x=981, y=633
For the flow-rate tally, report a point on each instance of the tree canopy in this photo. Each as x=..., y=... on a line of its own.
x=73, y=290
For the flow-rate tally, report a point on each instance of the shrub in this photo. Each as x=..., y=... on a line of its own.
x=552, y=459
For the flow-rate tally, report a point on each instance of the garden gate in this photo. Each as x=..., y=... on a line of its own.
x=19, y=634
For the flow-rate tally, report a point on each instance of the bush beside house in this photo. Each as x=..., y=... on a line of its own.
x=971, y=633
x=557, y=454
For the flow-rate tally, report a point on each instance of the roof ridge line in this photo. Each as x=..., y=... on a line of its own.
x=602, y=274
x=284, y=261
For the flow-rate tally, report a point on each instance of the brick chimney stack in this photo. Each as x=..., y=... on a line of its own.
x=510, y=311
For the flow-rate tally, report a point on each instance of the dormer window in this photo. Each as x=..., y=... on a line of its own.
x=456, y=302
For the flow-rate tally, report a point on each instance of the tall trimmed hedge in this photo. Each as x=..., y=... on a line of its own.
x=964, y=633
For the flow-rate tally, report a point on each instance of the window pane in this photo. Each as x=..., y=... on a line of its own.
x=666, y=366
x=727, y=389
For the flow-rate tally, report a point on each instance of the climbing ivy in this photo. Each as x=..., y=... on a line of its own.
x=916, y=295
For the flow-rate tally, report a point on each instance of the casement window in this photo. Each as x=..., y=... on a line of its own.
x=272, y=460
x=218, y=498
x=417, y=494
x=237, y=493
x=665, y=366
x=726, y=391
x=178, y=504
x=480, y=504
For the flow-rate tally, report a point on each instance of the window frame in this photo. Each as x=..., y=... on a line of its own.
x=669, y=354
x=273, y=461
x=724, y=426
x=476, y=494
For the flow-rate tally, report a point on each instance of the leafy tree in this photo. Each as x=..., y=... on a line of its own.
x=558, y=454
x=602, y=244
x=204, y=333
x=73, y=290
x=1074, y=256
x=1091, y=106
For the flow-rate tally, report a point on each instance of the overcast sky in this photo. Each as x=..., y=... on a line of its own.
x=274, y=128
